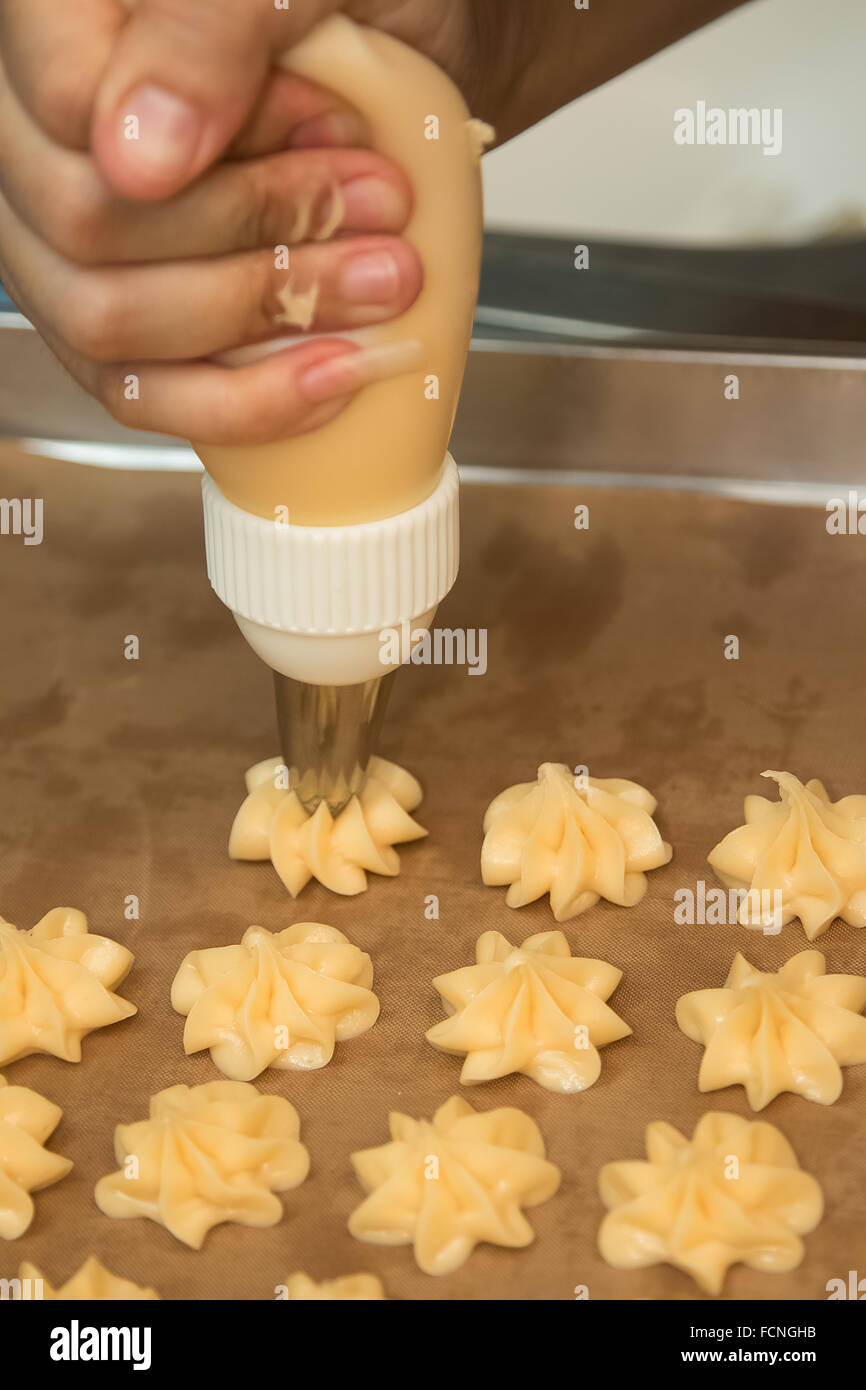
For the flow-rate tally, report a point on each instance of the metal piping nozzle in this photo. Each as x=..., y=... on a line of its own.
x=328, y=733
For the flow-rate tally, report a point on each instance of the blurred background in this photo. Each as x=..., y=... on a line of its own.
x=608, y=163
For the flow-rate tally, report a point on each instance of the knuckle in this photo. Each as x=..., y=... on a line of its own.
x=61, y=98
x=280, y=203
x=245, y=414
x=93, y=317
x=80, y=234
x=254, y=206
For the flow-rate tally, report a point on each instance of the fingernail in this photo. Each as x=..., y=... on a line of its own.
x=160, y=130
x=372, y=277
x=341, y=375
x=373, y=205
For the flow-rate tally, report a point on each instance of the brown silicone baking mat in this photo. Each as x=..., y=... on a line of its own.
x=605, y=648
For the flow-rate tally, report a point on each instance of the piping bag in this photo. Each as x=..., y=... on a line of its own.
x=327, y=543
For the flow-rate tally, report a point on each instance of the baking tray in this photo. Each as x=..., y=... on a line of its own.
x=605, y=648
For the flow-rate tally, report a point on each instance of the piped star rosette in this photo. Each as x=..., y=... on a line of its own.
x=535, y=1009
x=772, y=1031
x=576, y=838
x=27, y=1120
x=348, y=1288
x=56, y=983
x=339, y=852
x=206, y=1154
x=280, y=999
x=803, y=856
x=446, y=1184
x=733, y=1193
x=92, y=1283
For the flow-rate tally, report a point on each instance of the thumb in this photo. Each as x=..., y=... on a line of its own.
x=181, y=80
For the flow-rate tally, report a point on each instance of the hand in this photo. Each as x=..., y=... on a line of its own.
x=155, y=286
x=148, y=257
